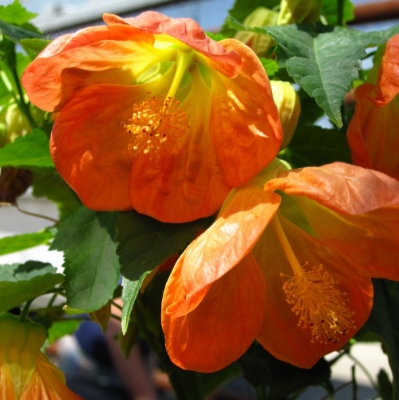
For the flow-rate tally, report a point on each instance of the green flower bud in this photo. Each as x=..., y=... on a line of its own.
x=289, y=108
x=298, y=11
x=259, y=43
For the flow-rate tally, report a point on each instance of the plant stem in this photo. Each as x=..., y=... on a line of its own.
x=25, y=311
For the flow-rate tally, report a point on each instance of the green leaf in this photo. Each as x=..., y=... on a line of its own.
x=315, y=146
x=58, y=329
x=384, y=323
x=31, y=150
x=22, y=282
x=329, y=10
x=270, y=66
x=91, y=264
x=48, y=183
x=16, y=33
x=143, y=244
x=34, y=46
x=11, y=244
x=325, y=64
x=384, y=385
x=130, y=290
x=260, y=368
x=15, y=13
x=215, y=36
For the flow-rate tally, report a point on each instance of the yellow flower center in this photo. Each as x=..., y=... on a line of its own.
x=153, y=122
x=320, y=305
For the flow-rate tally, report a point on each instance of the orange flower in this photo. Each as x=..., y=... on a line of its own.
x=154, y=115
x=289, y=265
x=373, y=131
x=25, y=372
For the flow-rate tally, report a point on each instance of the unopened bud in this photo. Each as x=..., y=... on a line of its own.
x=259, y=43
x=299, y=11
x=289, y=108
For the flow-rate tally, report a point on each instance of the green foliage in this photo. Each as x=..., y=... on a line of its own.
x=324, y=64
x=315, y=146
x=262, y=370
x=48, y=183
x=29, y=151
x=91, y=264
x=24, y=282
x=242, y=8
x=270, y=66
x=34, y=46
x=58, y=329
x=385, y=386
x=330, y=11
x=11, y=244
x=145, y=243
x=15, y=13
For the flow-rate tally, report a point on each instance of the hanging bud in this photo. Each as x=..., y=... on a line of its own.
x=299, y=11
x=289, y=108
x=259, y=43
x=25, y=372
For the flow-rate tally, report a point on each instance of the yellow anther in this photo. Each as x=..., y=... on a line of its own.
x=153, y=122
x=321, y=307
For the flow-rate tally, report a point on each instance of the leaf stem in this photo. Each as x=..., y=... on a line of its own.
x=33, y=214
x=25, y=311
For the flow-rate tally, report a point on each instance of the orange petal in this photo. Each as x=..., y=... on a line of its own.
x=7, y=391
x=369, y=241
x=232, y=236
x=185, y=30
x=117, y=55
x=389, y=72
x=90, y=147
x=341, y=187
x=186, y=181
x=221, y=328
x=372, y=134
x=244, y=121
x=47, y=383
x=280, y=334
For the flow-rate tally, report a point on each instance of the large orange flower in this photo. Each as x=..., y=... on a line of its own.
x=289, y=264
x=154, y=115
x=373, y=131
x=25, y=372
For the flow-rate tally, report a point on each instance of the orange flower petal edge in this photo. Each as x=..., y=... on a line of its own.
x=388, y=79
x=335, y=228
x=165, y=141
x=220, y=329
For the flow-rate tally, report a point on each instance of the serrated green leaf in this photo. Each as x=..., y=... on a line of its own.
x=91, y=263
x=329, y=10
x=15, y=13
x=26, y=271
x=11, y=244
x=58, y=329
x=384, y=322
x=16, y=33
x=325, y=64
x=315, y=146
x=31, y=150
x=48, y=183
x=22, y=282
x=143, y=244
